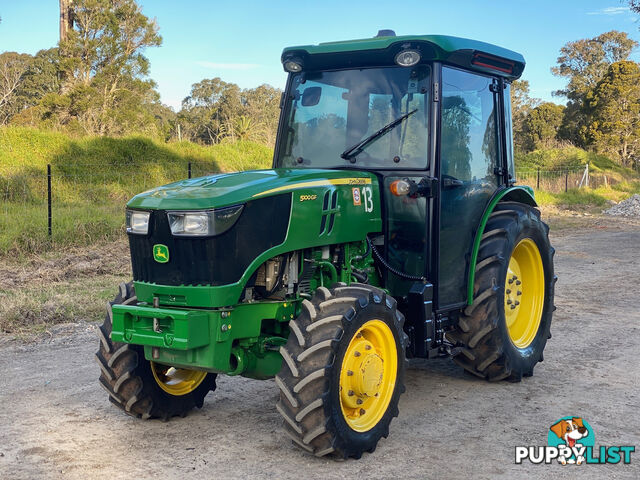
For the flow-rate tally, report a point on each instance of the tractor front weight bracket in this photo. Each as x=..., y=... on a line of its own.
x=239, y=340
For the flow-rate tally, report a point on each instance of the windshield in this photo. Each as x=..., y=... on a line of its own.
x=328, y=113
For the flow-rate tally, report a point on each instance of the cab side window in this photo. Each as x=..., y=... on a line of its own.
x=469, y=154
x=469, y=127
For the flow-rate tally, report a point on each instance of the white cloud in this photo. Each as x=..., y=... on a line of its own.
x=610, y=11
x=228, y=66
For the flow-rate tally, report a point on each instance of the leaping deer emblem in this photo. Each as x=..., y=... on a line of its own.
x=160, y=254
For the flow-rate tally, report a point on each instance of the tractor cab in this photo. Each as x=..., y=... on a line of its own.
x=427, y=111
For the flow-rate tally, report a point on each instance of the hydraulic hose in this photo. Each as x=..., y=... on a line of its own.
x=393, y=270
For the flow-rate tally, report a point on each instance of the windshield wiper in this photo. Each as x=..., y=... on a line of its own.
x=352, y=152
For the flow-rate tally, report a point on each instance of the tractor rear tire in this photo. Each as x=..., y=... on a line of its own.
x=345, y=354
x=495, y=338
x=138, y=386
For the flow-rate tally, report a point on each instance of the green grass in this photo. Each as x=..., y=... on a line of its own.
x=587, y=197
x=614, y=182
x=92, y=179
x=573, y=158
x=572, y=198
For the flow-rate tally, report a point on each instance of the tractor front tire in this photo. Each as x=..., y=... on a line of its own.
x=142, y=388
x=343, y=371
x=503, y=333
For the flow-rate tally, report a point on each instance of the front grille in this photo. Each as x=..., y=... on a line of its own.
x=218, y=260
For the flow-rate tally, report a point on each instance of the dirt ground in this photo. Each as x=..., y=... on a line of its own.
x=56, y=422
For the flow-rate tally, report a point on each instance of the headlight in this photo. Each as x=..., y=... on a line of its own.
x=138, y=222
x=292, y=65
x=407, y=58
x=204, y=223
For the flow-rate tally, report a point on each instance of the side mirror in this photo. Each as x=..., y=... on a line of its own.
x=311, y=96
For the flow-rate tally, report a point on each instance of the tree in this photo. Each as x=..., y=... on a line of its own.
x=521, y=105
x=13, y=68
x=615, y=108
x=262, y=104
x=105, y=89
x=216, y=110
x=66, y=18
x=208, y=112
x=584, y=63
x=540, y=128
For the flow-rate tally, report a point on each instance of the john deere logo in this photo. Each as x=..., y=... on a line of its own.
x=160, y=253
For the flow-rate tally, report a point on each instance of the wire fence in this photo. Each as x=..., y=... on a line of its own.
x=76, y=204
x=562, y=179
x=73, y=204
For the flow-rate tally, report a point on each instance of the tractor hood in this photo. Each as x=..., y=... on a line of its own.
x=235, y=188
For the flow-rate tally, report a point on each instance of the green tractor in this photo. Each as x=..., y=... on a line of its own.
x=390, y=227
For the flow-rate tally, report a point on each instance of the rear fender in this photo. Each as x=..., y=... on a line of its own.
x=522, y=194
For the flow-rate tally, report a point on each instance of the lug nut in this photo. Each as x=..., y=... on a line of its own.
x=356, y=353
x=518, y=292
x=518, y=282
x=508, y=291
x=362, y=411
x=510, y=280
x=367, y=347
x=512, y=307
x=509, y=301
x=359, y=335
x=350, y=393
x=349, y=373
x=517, y=302
x=359, y=401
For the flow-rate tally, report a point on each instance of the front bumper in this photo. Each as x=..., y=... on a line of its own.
x=230, y=340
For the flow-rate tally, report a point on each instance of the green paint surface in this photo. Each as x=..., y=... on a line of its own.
x=447, y=48
x=206, y=339
x=234, y=188
x=351, y=222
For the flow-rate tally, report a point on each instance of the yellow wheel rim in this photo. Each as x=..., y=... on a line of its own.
x=177, y=381
x=368, y=375
x=524, y=293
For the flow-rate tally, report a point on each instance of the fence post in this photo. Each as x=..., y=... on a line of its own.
x=587, y=174
x=566, y=181
x=49, y=198
x=538, y=180
x=189, y=170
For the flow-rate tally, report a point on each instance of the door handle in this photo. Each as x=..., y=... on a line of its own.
x=450, y=182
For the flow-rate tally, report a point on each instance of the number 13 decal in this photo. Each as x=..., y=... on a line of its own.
x=367, y=198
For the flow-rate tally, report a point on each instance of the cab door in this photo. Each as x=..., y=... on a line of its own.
x=469, y=160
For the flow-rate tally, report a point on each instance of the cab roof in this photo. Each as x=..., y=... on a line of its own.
x=382, y=49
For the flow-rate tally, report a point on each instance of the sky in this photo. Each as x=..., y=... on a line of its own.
x=241, y=41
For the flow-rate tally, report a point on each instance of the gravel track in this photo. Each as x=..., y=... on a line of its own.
x=56, y=422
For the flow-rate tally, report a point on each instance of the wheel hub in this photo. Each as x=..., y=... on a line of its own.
x=176, y=381
x=524, y=293
x=368, y=375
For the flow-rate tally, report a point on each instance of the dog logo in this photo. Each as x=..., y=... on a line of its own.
x=160, y=253
x=573, y=433
x=571, y=440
